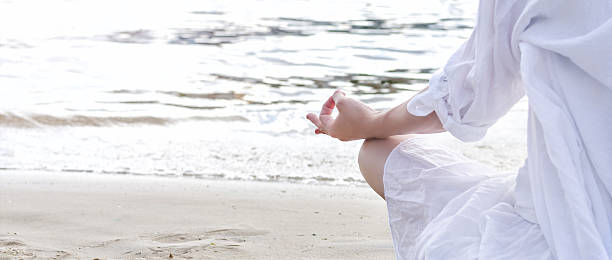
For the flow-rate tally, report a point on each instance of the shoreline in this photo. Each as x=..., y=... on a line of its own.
x=298, y=180
x=75, y=215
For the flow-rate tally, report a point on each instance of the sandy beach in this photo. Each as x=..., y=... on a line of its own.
x=87, y=216
x=178, y=130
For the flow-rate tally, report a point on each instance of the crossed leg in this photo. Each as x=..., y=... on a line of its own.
x=372, y=158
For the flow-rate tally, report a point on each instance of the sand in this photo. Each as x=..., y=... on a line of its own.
x=86, y=216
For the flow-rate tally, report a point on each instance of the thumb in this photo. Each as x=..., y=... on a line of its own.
x=338, y=96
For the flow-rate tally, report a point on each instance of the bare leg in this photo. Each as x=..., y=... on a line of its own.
x=372, y=158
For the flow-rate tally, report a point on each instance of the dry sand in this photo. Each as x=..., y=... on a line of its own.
x=86, y=216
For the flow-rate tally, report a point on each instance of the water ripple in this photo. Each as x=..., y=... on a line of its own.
x=40, y=120
x=138, y=36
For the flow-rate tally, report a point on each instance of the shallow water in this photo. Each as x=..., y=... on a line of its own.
x=214, y=89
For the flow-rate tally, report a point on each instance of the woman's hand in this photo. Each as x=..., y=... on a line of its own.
x=355, y=119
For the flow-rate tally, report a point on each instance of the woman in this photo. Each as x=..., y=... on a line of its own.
x=443, y=206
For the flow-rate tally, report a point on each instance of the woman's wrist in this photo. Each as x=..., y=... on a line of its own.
x=376, y=125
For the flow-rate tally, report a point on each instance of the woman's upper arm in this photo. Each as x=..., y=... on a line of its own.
x=481, y=81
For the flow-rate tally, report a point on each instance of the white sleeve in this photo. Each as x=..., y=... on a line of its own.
x=480, y=82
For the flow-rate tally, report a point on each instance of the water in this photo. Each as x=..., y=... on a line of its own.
x=216, y=89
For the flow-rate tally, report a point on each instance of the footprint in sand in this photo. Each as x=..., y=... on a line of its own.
x=189, y=245
x=17, y=249
x=237, y=235
x=198, y=244
x=10, y=242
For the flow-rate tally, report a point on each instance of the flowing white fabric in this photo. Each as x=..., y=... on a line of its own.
x=445, y=206
x=559, y=206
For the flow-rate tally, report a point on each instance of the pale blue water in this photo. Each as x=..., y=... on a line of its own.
x=211, y=89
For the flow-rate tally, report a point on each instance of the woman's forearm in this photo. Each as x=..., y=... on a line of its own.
x=398, y=121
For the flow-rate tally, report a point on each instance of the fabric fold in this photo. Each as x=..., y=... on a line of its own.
x=435, y=99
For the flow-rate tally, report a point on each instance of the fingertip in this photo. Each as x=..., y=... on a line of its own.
x=338, y=94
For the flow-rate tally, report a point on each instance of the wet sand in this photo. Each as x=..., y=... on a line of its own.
x=76, y=215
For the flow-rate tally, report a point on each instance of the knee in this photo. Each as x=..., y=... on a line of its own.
x=365, y=152
x=372, y=155
x=377, y=150
x=372, y=158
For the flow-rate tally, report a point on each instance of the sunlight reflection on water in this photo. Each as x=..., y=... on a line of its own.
x=206, y=76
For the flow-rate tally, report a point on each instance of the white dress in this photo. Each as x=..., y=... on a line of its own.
x=559, y=205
